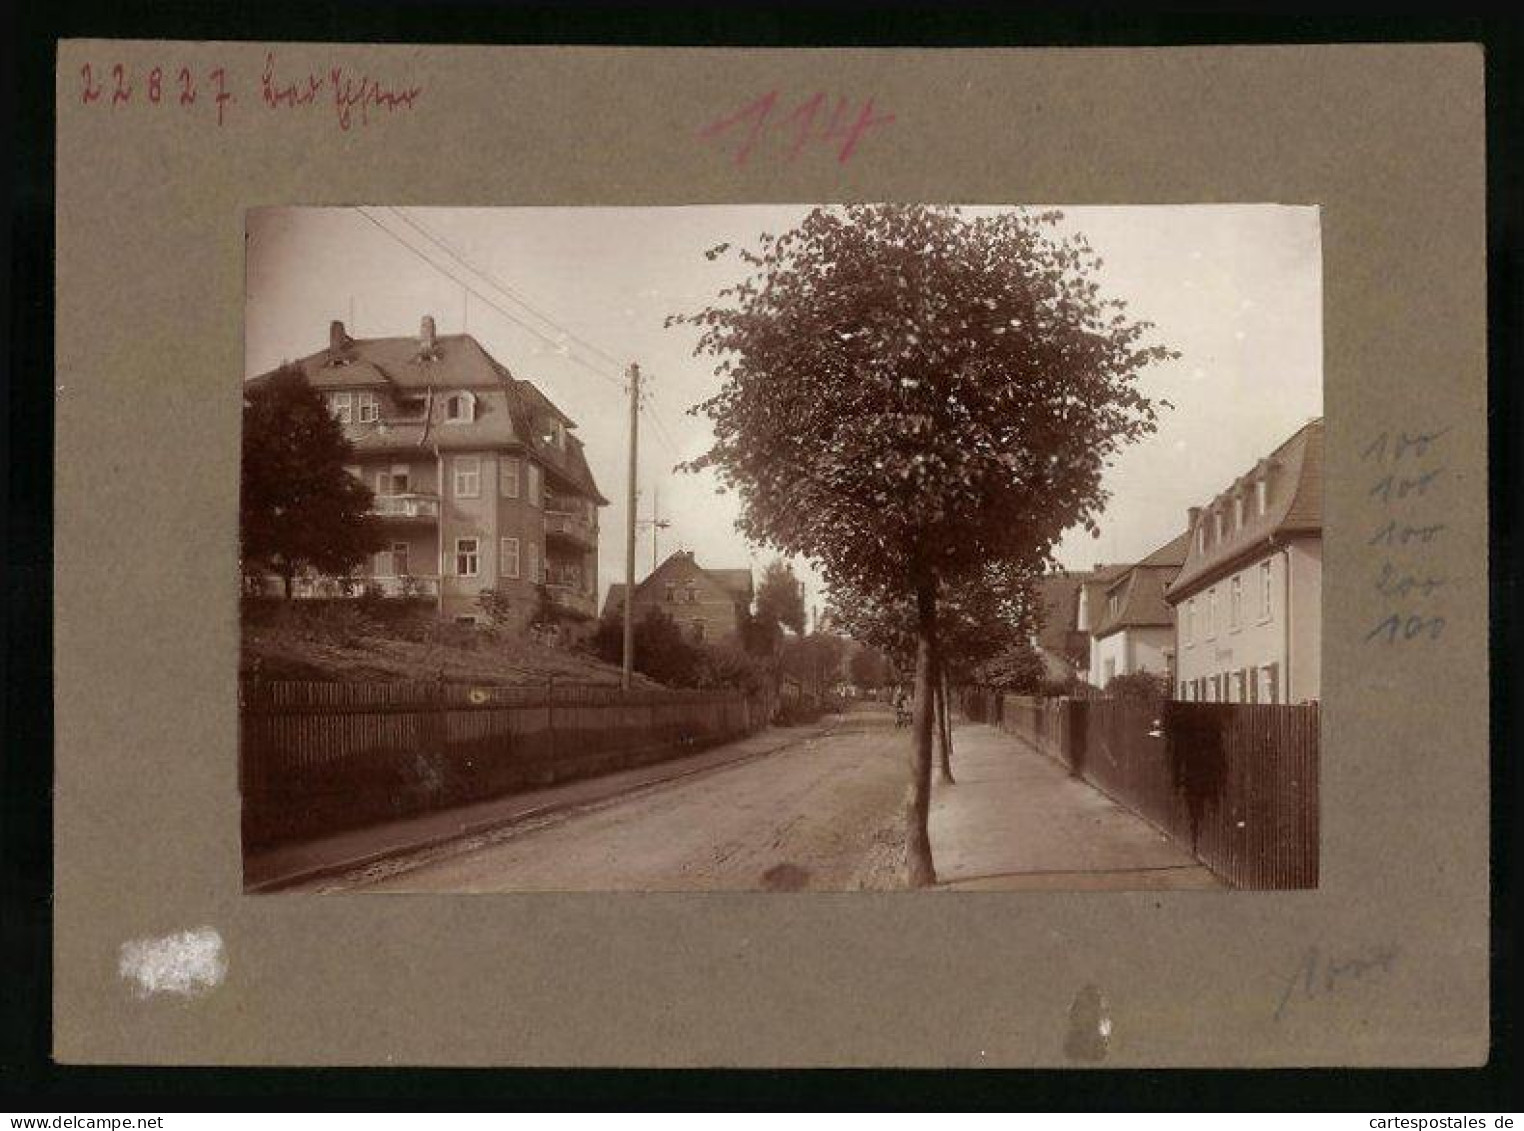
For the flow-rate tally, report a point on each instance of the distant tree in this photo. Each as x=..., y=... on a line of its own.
x=980, y=619
x=909, y=394
x=814, y=661
x=868, y=667
x=299, y=509
x=1142, y=686
x=780, y=597
x=661, y=651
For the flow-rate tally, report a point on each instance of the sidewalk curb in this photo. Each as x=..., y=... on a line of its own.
x=491, y=824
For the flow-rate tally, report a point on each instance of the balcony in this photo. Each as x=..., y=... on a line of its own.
x=410, y=505
x=570, y=530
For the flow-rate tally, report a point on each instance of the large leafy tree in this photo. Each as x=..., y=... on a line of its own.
x=300, y=509
x=780, y=597
x=910, y=393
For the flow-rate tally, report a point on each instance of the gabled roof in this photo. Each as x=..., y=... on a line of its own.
x=1139, y=592
x=404, y=374
x=1293, y=475
x=736, y=582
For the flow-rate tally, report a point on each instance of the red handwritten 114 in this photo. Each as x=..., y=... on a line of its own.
x=808, y=123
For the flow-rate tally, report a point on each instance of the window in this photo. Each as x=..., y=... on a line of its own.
x=1190, y=620
x=1261, y=496
x=342, y=405
x=1264, y=590
x=368, y=408
x=1211, y=620
x=535, y=484
x=533, y=559
x=508, y=552
x=460, y=408
x=556, y=434
x=1217, y=526
x=1184, y=690
x=691, y=594
x=671, y=593
x=1236, y=602
x=508, y=481
x=466, y=554
x=393, y=482
x=1238, y=512
x=1113, y=603
x=1201, y=538
x=1270, y=683
x=399, y=559
x=698, y=631
x=468, y=477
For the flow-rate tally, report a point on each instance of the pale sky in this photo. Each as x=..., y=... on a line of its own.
x=1236, y=289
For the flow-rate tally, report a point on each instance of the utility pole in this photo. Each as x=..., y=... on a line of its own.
x=655, y=524
x=629, y=540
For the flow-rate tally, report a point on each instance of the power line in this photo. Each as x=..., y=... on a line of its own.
x=558, y=346
x=450, y=249
x=660, y=427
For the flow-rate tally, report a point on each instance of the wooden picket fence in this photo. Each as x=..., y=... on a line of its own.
x=1236, y=784
x=315, y=758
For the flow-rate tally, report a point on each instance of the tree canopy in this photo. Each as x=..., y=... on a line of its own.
x=299, y=509
x=909, y=392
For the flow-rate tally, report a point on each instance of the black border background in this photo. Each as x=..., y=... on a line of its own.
x=27, y=52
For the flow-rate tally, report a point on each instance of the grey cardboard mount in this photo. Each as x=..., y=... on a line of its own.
x=1384, y=964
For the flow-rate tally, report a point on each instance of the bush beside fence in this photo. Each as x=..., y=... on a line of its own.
x=315, y=758
x=1236, y=784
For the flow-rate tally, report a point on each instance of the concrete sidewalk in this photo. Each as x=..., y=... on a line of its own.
x=1017, y=821
x=290, y=864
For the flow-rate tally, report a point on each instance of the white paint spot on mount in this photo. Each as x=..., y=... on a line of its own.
x=185, y=964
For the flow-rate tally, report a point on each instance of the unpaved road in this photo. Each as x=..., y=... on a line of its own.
x=824, y=815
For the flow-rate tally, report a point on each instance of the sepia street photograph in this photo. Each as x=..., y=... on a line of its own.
x=863, y=547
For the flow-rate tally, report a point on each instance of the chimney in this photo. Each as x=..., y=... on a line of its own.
x=337, y=338
x=426, y=334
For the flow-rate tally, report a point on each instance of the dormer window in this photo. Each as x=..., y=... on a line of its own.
x=342, y=405
x=1261, y=496
x=1217, y=526
x=1201, y=538
x=460, y=408
x=1114, y=604
x=1238, y=512
x=367, y=408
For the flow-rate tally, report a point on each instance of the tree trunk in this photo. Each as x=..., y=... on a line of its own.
x=944, y=733
x=919, y=870
x=289, y=578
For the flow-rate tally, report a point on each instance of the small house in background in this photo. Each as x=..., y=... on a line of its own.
x=708, y=605
x=1133, y=627
x=1061, y=643
x=1248, y=600
x=479, y=480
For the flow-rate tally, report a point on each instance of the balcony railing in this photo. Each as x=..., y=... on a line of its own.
x=411, y=505
x=572, y=528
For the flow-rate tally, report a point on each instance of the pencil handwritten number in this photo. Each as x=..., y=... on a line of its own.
x=1318, y=976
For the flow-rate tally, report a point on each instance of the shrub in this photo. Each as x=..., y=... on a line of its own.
x=1140, y=686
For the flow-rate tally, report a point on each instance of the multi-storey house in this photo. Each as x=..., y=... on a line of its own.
x=1248, y=600
x=708, y=604
x=479, y=481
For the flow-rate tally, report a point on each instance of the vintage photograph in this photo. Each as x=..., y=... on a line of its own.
x=781, y=548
